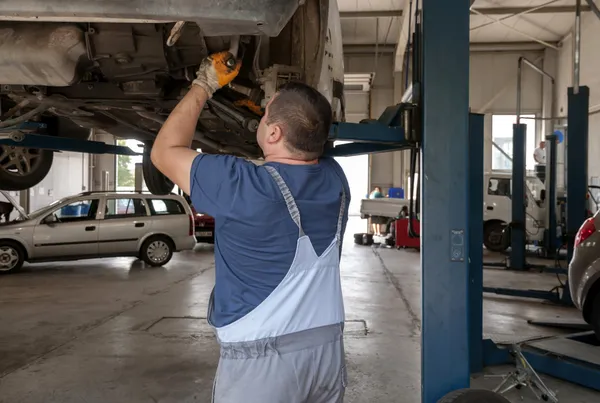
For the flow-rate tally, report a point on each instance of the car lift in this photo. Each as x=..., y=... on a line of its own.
x=452, y=205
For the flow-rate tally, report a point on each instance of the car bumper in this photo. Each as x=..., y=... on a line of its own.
x=242, y=17
x=185, y=243
x=583, y=273
x=205, y=234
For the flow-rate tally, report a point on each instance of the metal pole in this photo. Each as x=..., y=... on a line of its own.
x=577, y=48
x=519, y=77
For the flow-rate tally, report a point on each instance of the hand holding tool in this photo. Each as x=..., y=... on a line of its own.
x=216, y=71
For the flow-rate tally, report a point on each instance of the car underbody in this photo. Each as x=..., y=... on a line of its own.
x=124, y=75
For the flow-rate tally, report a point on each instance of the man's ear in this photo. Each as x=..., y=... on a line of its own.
x=275, y=134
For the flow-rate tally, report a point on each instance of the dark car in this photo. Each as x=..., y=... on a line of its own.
x=204, y=227
x=584, y=272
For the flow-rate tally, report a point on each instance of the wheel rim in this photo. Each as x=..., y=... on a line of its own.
x=19, y=161
x=496, y=237
x=158, y=251
x=9, y=258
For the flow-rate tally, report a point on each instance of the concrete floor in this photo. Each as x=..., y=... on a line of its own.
x=112, y=330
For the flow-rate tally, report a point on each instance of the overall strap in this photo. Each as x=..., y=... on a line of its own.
x=287, y=196
x=338, y=234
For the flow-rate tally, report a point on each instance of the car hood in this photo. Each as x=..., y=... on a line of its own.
x=16, y=205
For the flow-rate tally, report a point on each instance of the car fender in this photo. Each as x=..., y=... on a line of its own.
x=590, y=276
x=19, y=239
x=148, y=235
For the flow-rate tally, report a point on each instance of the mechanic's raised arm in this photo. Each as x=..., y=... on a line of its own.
x=171, y=152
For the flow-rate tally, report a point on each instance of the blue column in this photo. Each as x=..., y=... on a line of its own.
x=517, y=232
x=577, y=161
x=444, y=181
x=551, y=194
x=475, y=242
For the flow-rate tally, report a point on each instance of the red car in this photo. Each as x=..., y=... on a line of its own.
x=204, y=227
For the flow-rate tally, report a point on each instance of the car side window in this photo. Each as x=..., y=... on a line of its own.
x=165, y=207
x=124, y=208
x=499, y=187
x=82, y=210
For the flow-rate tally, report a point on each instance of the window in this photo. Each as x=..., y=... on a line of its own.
x=165, y=207
x=81, y=210
x=499, y=187
x=121, y=208
x=502, y=138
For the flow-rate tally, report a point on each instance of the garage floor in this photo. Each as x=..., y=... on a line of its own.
x=113, y=330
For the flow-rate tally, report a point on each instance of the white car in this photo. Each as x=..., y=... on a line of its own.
x=104, y=224
x=497, y=209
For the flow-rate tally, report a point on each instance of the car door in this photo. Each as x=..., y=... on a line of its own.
x=125, y=221
x=497, y=202
x=70, y=230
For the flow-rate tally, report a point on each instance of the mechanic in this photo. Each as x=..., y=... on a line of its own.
x=539, y=155
x=277, y=305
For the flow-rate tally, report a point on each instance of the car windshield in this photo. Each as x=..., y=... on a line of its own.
x=39, y=212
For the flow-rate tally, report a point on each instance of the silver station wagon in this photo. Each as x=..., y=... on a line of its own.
x=97, y=224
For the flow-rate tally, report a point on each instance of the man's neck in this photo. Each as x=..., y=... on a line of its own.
x=290, y=160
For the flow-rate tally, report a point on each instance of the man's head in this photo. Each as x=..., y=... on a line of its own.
x=295, y=124
x=542, y=144
x=377, y=189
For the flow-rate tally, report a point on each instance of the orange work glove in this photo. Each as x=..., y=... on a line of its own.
x=216, y=71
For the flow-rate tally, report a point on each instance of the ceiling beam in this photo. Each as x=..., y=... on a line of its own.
x=371, y=14
x=474, y=47
x=519, y=10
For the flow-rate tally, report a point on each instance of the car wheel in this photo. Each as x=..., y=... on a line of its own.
x=156, y=182
x=359, y=238
x=473, y=396
x=11, y=257
x=493, y=236
x=157, y=250
x=22, y=168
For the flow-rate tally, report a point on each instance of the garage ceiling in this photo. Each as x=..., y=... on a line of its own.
x=494, y=23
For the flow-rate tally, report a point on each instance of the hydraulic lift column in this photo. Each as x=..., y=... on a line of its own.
x=445, y=186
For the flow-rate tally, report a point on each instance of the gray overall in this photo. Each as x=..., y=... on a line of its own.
x=289, y=349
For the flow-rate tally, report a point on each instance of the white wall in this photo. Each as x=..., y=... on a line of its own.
x=68, y=176
x=590, y=67
x=492, y=89
x=385, y=169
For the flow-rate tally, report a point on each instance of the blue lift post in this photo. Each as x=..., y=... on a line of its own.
x=476, y=146
x=445, y=186
x=551, y=235
x=577, y=162
x=518, y=224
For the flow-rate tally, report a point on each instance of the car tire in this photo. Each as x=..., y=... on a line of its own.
x=157, y=250
x=359, y=238
x=156, y=182
x=473, y=396
x=493, y=236
x=11, y=161
x=12, y=257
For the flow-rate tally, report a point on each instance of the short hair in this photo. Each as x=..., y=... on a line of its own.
x=305, y=116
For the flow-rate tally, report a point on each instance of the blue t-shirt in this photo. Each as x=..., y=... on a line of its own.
x=255, y=237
